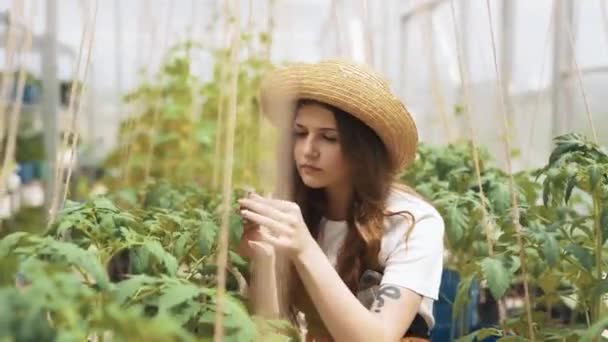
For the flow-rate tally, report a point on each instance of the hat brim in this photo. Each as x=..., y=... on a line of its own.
x=354, y=89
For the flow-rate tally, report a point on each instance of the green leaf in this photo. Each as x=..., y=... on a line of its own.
x=603, y=225
x=595, y=330
x=206, y=237
x=500, y=197
x=186, y=314
x=9, y=242
x=75, y=255
x=595, y=173
x=582, y=256
x=238, y=317
x=127, y=288
x=236, y=259
x=179, y=248
x=63, y=227
x=140, y=260
x=177, y=294
x=236, y=229
x=274, y=330
x=599, y=289
x=70, y=206
x=480, y=335
x=550, y=249
x=569, y=187
x=462, y=299
x=546, y=191
x=128, y=195
x=549, y=281
x=168, y=260
x=104, y=203
x=456, y=223
x=498, y=277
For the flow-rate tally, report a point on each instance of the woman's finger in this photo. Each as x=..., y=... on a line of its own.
x=282, y=205
x=265, y=221
x=266, y=210
x=277, y=242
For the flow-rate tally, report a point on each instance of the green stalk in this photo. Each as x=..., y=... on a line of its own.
x=597, y=212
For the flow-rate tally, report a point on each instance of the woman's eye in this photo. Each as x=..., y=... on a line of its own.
x=330, y=138
x=299, y=133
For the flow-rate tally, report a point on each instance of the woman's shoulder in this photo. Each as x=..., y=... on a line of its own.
x=413, y=227
x=403, y=200
x=408, y=214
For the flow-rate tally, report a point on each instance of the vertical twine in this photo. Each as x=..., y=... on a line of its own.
x=217, y=157
x=514, y=201
x=436, y=87
x=159, y=101
x=132, y=129
x=527, y=151
x=486, y=219
x=11, y=137
x=7, y=77
x=72, y=131
x=579, y=78
x=368, y=34
x=60, y=170
x=222, y=258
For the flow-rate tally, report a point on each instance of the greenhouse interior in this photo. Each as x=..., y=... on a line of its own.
x=134, y=133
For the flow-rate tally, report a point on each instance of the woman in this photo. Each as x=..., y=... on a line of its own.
x=350, y=226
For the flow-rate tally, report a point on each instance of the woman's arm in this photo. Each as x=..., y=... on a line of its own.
x=344, y=316
x=263, y=294
x=263, y=286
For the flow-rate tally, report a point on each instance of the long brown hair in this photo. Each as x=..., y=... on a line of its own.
x=373, y=178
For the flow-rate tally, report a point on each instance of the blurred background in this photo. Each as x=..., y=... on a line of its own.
x=102, y=96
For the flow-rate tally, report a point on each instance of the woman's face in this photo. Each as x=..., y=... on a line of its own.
x=317, y=150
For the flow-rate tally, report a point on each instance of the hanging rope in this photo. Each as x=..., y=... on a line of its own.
x=336, y=20
x=159, y=101
x=232, y=87
x=487, y=222
x=539, y=96
x=270, y=27
x=7, y=76
x=71, y=104
x=146, y=23
x=261, y=171
x=438, y=97
x=9, y=150
x=514, y=201
x=580, y=82
x=219, y=140
x=60, y=169
x=72, y=132
x=368, y=34
x=604, y=11
x=196, y=100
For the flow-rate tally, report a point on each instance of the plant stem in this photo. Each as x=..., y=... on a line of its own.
x=195, y=266
x=597, y=212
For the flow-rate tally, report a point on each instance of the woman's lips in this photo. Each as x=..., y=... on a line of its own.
x=309, y=168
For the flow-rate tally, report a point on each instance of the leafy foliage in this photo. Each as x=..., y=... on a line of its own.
x=563, y=209
x=176, y=124
x=145, y=273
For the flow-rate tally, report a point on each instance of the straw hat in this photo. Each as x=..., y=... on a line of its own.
x=353, y=88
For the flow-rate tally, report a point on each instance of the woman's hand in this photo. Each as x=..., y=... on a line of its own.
x=252, y=245
x=287, y=231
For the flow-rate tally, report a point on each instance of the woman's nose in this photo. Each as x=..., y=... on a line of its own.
x=310, y=148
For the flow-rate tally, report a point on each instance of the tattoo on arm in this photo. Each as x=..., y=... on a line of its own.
x=386, y=292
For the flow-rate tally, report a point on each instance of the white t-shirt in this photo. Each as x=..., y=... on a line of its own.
x=415, y=264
